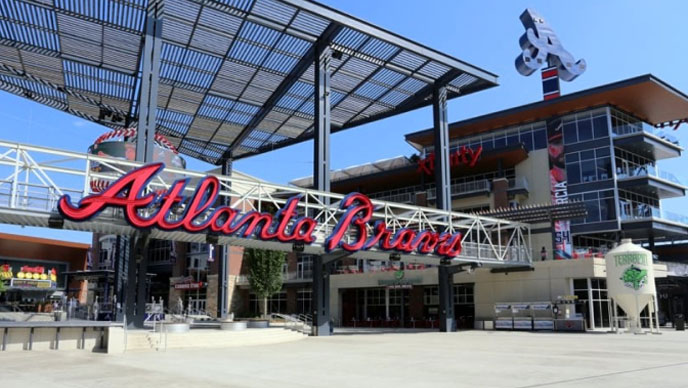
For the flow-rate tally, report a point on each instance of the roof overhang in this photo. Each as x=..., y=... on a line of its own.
x=646, y=97
x=401, y=171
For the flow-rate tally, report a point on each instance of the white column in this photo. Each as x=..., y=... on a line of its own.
x=591, y=309
x=386, y=303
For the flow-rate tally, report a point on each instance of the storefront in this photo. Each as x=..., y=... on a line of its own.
x=358, y=300
x=34, y=273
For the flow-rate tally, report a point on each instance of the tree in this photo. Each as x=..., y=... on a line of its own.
x=264, y=273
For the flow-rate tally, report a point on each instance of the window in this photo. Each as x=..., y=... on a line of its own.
x=601, y=126
x=160, y=252
x=540, y=139
x=585, y=129
x=585, y=126
x=624, y=124
x=431, y=296
x=599, y=204
x=636, y=206
x=375, y=303
x=106, y=259
x=304, y=301
x=463, y=294
x=304, y=266
x=597, y=310
x=533, y=136
x=198, y=248
x=375, y=297
x=500, y=141
x=589, y=166
x=512, y=138
x=570, y=133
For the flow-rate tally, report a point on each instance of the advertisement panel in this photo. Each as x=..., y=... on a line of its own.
x=563, y=247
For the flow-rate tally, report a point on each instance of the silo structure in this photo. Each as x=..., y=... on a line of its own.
x=631, y=283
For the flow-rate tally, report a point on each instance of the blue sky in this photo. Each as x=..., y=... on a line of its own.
x=618, y=39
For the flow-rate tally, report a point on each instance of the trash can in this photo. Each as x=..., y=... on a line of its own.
x=60, y=316
x=680, y=322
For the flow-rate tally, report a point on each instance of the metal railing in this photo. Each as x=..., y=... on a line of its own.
x=632, y=211
x=630, y=128
x=520, y=183
x=302, y=323
x=286, y=277
x=628, y=169
x=463, y=188
x=407, y=198
x=36, y=177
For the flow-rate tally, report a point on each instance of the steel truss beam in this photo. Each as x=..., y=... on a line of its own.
x=33, y=178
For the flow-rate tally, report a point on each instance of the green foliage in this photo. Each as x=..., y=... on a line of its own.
x=264, y=271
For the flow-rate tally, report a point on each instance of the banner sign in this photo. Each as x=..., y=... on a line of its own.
x=563, y=247
x=188, y=286
x=286, y=225
x=30, y=283
x=463, y=155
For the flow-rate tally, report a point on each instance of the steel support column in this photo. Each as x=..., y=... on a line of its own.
x=445, y=276
x=321, y=296
x=322, y=269
x=443, y=197
x=129, y=300
x=223, y=260
x=321, y=137
x=148, y=94
x=441, y=137
x=141, y=256
x=148, y=98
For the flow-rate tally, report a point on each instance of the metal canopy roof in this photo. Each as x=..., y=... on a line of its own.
x=234, y=74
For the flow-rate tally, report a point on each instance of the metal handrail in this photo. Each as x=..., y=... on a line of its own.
x=298, y=322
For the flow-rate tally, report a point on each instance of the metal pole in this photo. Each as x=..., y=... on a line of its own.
x=142, y=256
x=321, y=297
x=321, y=138
x=146, y=129
x=441, y=139
x=223, y=260
x=130, y=295
x=446, y=291
x=149, y=82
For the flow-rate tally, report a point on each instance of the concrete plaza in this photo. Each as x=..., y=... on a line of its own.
x=365, y=359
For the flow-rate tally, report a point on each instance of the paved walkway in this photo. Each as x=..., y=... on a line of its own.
x=372, y=360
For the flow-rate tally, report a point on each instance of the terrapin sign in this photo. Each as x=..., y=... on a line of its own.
x=197, y=215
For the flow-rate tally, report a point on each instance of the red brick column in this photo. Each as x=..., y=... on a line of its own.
x=416, y=302
x=500, y=197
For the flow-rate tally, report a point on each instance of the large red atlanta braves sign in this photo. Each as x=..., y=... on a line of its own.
x=286, y=225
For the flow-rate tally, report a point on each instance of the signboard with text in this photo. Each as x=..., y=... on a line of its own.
x=198, y=213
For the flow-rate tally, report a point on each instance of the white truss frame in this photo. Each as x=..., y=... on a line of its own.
x=33, y=178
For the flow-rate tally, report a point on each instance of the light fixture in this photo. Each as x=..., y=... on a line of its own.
x=395, y=256
x=212, y=239
x=298, y=246
x=55, y=221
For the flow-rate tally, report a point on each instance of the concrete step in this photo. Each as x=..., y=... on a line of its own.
x=148, y=341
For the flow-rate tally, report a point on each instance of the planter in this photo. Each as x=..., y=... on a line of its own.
x=175, y=327
x=233, y=326
x=258, y=324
